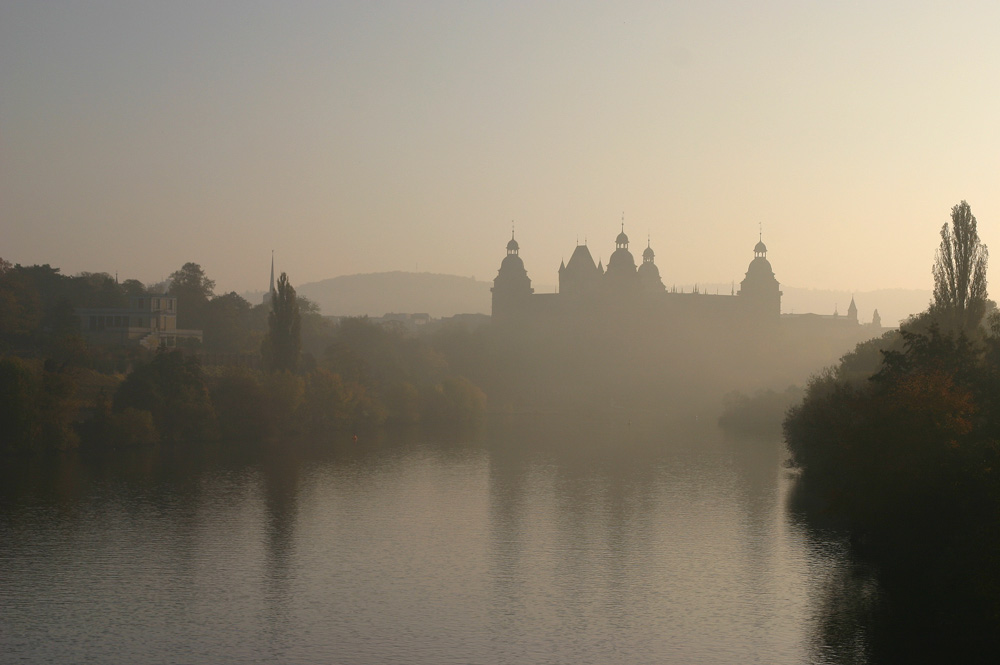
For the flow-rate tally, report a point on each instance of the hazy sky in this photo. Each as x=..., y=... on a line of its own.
x=372, y=136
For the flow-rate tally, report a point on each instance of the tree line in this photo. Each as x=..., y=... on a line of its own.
x=900, y=445
x=315, y=376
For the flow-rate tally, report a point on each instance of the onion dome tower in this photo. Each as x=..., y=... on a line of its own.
x=621, y=271
x=649, y=274
x=759, y=289
x=512, y=286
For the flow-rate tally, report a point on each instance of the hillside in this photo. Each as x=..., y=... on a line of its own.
x=376, y=294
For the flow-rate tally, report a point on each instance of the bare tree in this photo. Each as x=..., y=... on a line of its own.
x=960, y=272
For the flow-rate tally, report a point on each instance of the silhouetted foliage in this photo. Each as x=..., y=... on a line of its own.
x=455, y=400
x=193, y=289
x=20, y=303
x=37, y=406
x=133, y=288
x=908, y=462
x=241, y=407
x=283, y=343
x=865, y=360
x=285, y=392
x=131, y=428
x=56, y=407
x=227, y=326
x=760, y=413
x=330, y=403
x=960, y=273
x=172, y=388
x=17, y=405
x=368, y=373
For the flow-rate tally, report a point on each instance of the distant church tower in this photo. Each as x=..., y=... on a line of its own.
x=270, y=292
x=760, y=288
x=512, y=287
x=852, y=311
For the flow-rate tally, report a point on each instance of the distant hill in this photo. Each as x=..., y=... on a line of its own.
x=379, y=293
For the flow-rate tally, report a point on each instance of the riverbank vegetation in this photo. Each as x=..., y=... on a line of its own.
x=900, y=446
x=760, y=413
x=293, y=372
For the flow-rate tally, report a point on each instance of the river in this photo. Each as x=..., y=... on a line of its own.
x=532, y=541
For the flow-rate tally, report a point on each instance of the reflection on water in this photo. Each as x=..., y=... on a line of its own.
x=531, y=541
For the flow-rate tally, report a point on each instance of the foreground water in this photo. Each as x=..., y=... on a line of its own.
x=528, y=542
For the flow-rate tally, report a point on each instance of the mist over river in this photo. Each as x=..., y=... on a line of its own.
x=535, y=540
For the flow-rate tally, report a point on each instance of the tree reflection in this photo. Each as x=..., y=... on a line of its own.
x=910, y=614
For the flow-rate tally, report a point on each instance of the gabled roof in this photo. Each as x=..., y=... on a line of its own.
x=581, y=259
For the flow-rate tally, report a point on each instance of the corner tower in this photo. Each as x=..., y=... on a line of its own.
x=512, y=286
x=649, y=274
x=759, y=289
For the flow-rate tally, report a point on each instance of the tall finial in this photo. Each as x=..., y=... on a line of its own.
x=760, y=231
x=623, y=221
x=648, y=236
x=512, y=229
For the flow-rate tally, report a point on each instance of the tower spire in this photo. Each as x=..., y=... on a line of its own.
x=271, y=291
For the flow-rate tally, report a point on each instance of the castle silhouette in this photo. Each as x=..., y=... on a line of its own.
x=589, y=291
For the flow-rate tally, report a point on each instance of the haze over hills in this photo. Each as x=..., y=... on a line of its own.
x=375, y=294
x=893, y=305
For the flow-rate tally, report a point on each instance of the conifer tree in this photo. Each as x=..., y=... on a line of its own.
x=282, y=343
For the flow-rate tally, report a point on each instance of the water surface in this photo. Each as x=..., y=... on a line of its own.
x=535, y=541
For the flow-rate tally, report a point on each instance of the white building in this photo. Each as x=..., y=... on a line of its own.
x=150, y=321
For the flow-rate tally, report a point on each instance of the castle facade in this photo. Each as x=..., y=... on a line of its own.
x=589, y=289
x=625, y=289
x=615, y=335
